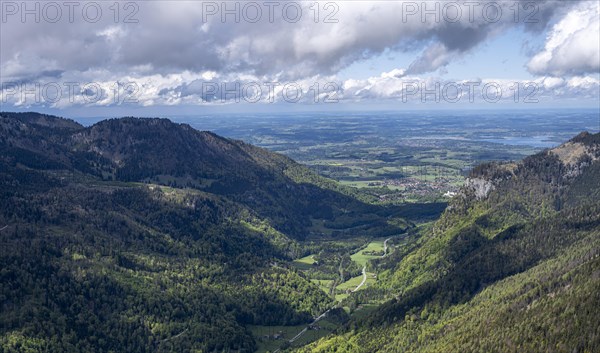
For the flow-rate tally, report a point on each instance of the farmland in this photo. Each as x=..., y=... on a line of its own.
x=401, y=157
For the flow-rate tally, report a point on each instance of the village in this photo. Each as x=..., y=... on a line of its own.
x=411, y=188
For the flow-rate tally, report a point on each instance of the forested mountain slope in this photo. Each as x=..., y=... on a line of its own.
x=512, y=266
x=141, y=235
x=159, y=151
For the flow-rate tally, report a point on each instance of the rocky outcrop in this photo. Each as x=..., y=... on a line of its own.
x=480, y=187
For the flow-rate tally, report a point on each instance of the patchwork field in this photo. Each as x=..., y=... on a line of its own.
x=401, y=157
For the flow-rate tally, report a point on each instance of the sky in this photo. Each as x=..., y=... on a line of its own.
x=105, y=58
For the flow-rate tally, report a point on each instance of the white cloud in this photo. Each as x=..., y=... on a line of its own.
x=171, y=36
x=211, y=88
x=584, y=82
x=171, y=53
x=553, y=82
x=573, y=44
x=433, y=57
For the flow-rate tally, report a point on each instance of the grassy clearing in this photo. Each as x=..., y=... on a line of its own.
x=270, y=338
x=371, y=279
x=277, y=335
x=363, y=310
x=374, y=184
x=341, y=296
x=322, y=329
x=309, y=260
x=360, y=183
x=304, y=263
x=350, y=284
x=362, y=257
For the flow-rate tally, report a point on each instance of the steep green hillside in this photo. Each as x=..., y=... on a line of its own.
x=141, y=235
x=512, y=266
x=289, y=195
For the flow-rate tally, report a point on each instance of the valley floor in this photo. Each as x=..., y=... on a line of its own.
x=273, y=338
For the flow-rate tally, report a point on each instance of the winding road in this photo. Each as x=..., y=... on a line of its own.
x=364, y=273
x=385, y=247
x=293, y=339
x=364, y=270
x=364, y=280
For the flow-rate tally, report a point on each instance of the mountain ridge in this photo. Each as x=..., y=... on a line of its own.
x=193, y=233
x=125, y=264
x=516, y=234
x=154, y=150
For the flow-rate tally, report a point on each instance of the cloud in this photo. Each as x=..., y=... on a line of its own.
x=433, y=57
x=406, y=88
x=173, y=36
x=573, y=45
x=211, y=89
x=172, y=56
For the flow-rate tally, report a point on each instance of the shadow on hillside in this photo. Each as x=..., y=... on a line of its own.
x=478, y=262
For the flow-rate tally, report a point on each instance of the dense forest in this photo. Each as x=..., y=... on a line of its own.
x=513, y=265
x=141, y=235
